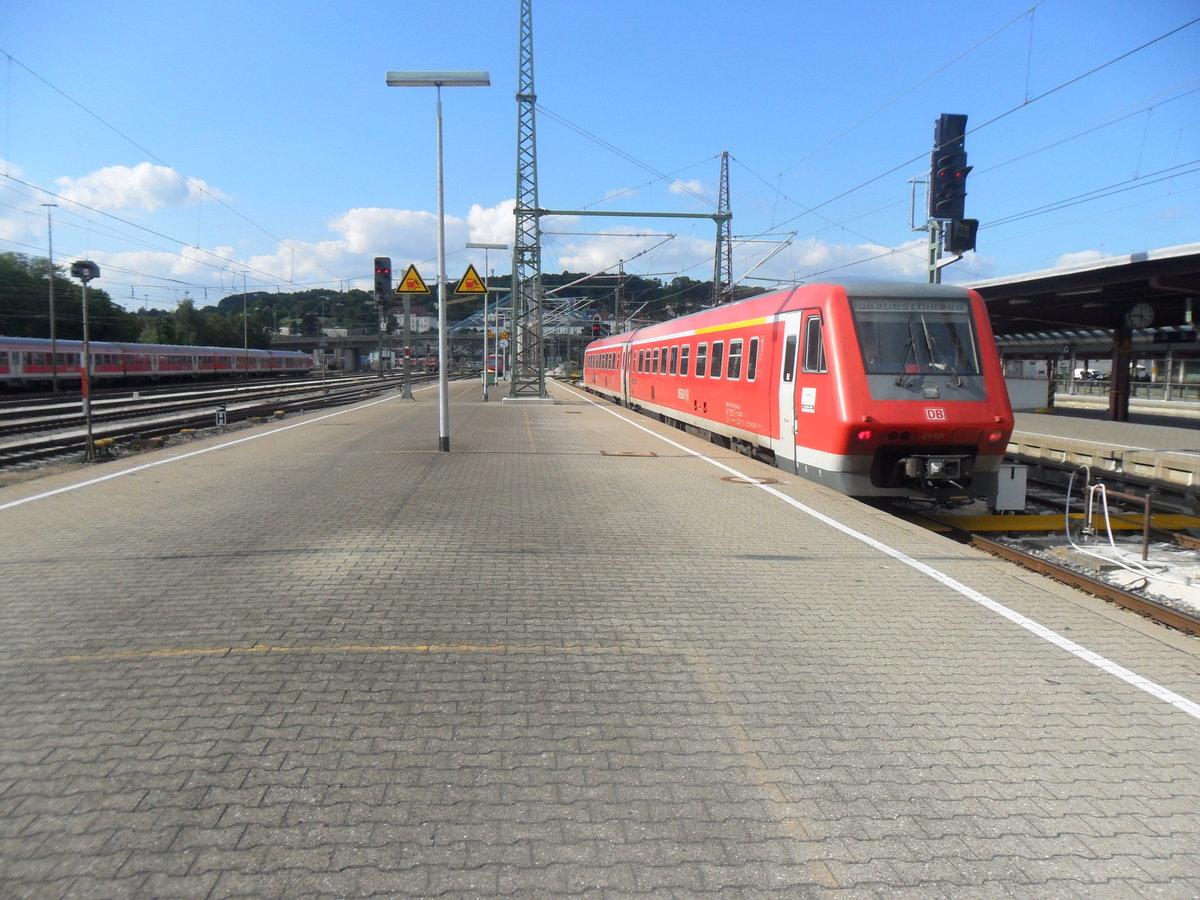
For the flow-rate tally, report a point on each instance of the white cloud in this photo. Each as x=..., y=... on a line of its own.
x=816, y=260
x=376, y=231
x=691, y=188
x=626, y=193
x=145, y=186
x=1078, y=258
x=496, y=225
x=605, y=251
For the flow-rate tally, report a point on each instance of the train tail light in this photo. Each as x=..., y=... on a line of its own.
x=995, y=436
x=863, y=434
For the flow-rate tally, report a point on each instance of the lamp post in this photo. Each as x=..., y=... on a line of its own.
x=85, y=270
x=321, y=345
x=485, y=248
x=53, y=339
x=245, y=329
x=439, y=80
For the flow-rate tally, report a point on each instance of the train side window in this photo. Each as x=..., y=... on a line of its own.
x=718, y=351
x=684, y=352
x=733, y=368
x=674, y=360
x=3, y=357
x=654, y=365
x=701, y=360
x=752, y=360
x=814, y=346
x=789, y=358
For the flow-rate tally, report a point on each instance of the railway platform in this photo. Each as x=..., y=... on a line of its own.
x=1152, y=452
x=581, y=654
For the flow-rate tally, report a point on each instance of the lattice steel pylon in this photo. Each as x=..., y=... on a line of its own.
x=723, y=258
x=528, y=357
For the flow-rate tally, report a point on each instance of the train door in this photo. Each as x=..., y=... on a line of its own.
x=789, y=400
x=623, y=358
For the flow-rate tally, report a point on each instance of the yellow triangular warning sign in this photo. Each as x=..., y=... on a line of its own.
x=471, y=283
x=411, y=283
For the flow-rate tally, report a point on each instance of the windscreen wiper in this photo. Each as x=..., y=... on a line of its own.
x=910, y=349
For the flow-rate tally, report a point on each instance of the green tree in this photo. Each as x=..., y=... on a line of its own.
x=149, y=333
x=186, y=323
x=25, y=304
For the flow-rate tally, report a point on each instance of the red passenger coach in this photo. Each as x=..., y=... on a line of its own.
x=27, y=362
x=876, y=390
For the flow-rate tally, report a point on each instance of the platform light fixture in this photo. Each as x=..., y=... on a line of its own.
x=439, y=80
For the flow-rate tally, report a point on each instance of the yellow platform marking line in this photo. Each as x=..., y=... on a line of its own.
x=767, y=779
x=1124, y=520
x=186, y=652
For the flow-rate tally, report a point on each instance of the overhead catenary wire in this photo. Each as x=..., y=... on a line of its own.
x=192, y=183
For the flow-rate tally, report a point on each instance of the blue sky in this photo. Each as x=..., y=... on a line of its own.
x=188, y=143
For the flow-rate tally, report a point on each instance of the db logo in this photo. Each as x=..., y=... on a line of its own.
x=935, y=413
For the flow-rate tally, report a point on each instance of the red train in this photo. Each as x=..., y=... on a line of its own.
x=876, y=390
x=26, y=362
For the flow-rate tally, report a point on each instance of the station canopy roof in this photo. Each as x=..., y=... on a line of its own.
x=1098, y=294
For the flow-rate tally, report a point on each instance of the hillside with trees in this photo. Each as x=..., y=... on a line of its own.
x=254, y=316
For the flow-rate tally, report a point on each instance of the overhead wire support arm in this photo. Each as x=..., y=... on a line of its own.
x=717, y=217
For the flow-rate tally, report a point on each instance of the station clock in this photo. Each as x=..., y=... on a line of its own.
x=1140, y=315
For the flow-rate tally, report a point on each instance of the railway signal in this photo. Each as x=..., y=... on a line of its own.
x=960, y=235
x=948, y=168
x=383, y=277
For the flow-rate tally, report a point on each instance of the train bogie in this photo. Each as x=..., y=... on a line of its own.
x=871, y=389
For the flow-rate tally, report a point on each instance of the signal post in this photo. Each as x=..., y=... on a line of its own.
x=947, y=194
x=411, y=283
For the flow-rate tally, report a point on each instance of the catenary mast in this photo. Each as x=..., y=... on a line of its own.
x=723, y=258
x=528, y=358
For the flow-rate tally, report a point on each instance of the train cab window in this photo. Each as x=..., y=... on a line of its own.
x=752, y=360
x=913, y=335
x=789, y=358
x=684, y=351
x=674, y=360
x=814, y=346
x=701, y=360
x=733, y=368
x=718, y=351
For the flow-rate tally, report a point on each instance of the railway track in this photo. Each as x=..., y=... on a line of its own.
x=1164, y=614
x=1181, y=615
x=32, y=434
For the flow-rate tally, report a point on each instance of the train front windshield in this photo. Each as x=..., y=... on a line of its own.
x=916, y=336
